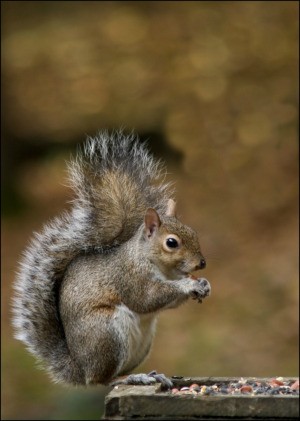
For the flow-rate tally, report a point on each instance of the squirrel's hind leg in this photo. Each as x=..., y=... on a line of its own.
x=145, y=379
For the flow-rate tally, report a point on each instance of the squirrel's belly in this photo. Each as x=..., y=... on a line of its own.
x=136, y=332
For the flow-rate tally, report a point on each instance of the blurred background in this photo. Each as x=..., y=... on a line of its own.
x=214, y=87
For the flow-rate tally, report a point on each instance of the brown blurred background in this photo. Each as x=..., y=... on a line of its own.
x=213, y=86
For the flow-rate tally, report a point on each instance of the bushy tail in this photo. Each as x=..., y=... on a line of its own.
x=115, y=180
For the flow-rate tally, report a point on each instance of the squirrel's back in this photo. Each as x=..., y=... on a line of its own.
x=115, y=180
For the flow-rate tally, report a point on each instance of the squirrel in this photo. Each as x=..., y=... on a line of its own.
x=91, y=285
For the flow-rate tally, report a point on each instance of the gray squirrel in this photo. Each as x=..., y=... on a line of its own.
x=91, y=285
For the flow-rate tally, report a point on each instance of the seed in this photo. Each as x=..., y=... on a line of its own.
x=295, y=385
x=246, y=388
x=203, y=389
x=195, y=387
x=277, y=382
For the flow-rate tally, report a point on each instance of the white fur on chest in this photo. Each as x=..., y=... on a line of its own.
x=135, y=332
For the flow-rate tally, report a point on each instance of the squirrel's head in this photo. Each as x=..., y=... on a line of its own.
x=173, y=247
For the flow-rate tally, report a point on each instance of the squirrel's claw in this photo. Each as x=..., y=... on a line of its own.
x=161, y=378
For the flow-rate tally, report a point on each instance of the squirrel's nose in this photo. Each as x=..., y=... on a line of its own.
x=202, y=264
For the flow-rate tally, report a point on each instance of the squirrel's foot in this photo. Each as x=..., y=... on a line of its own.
x=161, y=378
x=145, y=379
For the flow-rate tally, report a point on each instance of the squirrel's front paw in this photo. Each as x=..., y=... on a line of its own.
x=201, y=289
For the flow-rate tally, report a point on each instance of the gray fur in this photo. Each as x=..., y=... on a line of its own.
x=82, y=303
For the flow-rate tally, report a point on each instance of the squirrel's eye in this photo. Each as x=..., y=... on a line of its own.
x=172, y=243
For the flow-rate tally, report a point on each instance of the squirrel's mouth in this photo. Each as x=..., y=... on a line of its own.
x=183, y=273
x=185, y=269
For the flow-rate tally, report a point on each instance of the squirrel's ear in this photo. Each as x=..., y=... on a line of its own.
x=171, y=209
x=152, y=222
